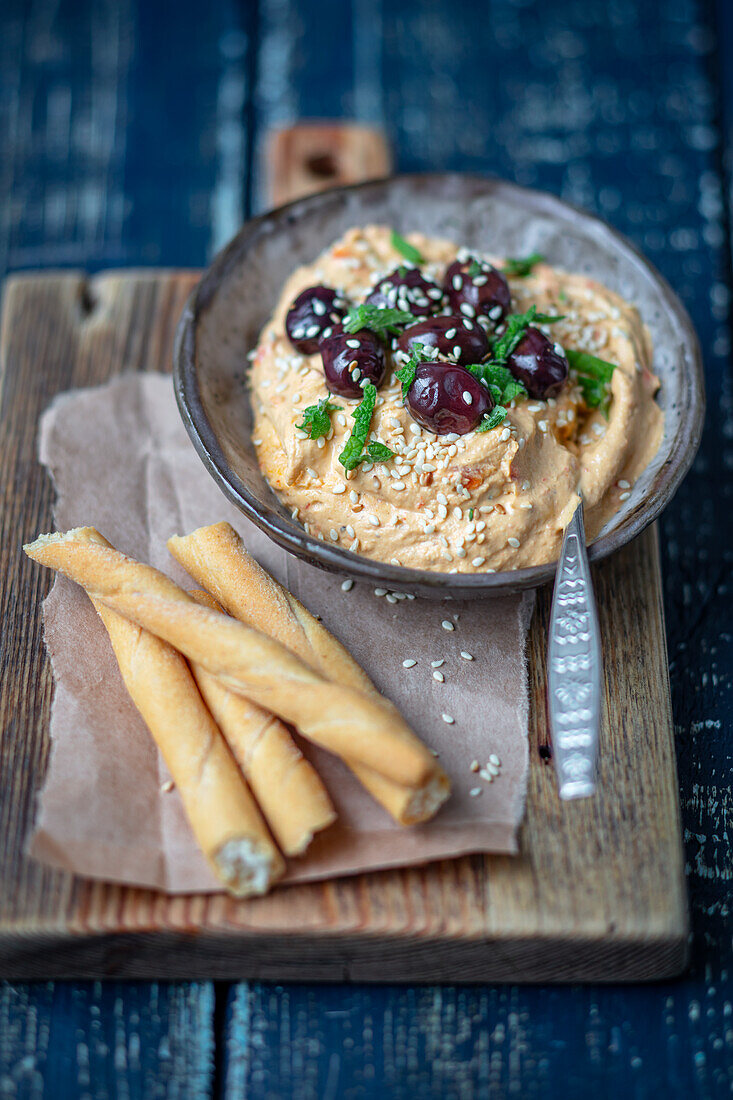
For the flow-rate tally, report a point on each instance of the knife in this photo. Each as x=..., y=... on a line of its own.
x=574, y=676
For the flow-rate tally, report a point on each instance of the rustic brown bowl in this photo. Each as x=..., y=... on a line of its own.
x=235, y=297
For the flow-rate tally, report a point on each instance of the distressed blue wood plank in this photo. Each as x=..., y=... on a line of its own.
x=100, y=1040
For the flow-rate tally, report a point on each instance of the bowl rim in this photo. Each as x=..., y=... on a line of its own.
x=294, y=539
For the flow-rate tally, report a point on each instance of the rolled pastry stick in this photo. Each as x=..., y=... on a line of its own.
x=286, y=786
x=216, y=557
x=223, y=815
x=347, y=722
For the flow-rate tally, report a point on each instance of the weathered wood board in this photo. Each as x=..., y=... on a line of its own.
x=596, y=893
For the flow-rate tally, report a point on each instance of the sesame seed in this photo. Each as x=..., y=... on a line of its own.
x=513, y=542
x=334, y=534
x=457, y=282
x=475, y=792
x=398, y=486
x=438, y=676
x=494, y=759
x=448, y=719
x=415, y=429
x=450, y=333
x=467, y=397
x=380, y=591
x=476, y=562
x=352, y=344
x=474, y=765
x=353, y=496
x=374, y=520
x=167, y=786
x=437, y=664
x=466, y=656
x=486, y=776
x=390, y=598
x=320, y=443
x=338, y=489
x=447, y=625
x=410, y=662
x=467, y=310
x=347, y=585
x=624, y=484
x=624, y=496
x=311, y=472
x=492, y=769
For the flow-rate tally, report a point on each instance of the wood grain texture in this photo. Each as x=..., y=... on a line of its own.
x=566, y=909
x=312, y=157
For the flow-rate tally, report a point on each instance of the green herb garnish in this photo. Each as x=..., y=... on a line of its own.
x=492, y=419
x=317, y=418
x=379, y=321
x=406, y=249
x=474, y=269
x=379, y=452
x=354, y=452
x=516, y=326
x=594, y=378
x=562, y=296
x=406, y=373
x=470, y=514
x=499, y=380
x=522, y=267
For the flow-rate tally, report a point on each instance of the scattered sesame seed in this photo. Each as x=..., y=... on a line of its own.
x=624, y=496
x=410, y=662
x=494, y=759
x=474, y=765
x=513, y=542
x=448, y=719
x=437, y=664
x=447, y=625
x=347, y=585
x=492, y=769
x=475, y=792
x=380, y=591
x=338, y=489
x=374, y=520
x=167, y=786
x=476, y=562
x=486, y=776
x=466, y=656
x=390, y=598
x=505, y=433
x=334, y=534
x=439, y=677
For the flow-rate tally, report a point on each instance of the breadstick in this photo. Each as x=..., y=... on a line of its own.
x=223, y=815
x=216, y=557
x=286, y=786
x=347, y=722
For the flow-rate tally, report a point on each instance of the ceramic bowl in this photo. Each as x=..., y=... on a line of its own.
x=233, y=300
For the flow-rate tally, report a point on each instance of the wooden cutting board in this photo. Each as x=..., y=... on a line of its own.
x=597, y=892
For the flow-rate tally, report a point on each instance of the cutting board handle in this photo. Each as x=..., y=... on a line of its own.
x=314, y=156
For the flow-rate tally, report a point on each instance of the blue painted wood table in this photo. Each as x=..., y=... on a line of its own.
x=131, y=134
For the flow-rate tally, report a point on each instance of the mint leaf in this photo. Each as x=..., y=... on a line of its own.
x=317, y=418
x=354, y=453
x=492, y=419
x=405, y=248
x=406, y=373
x=516, y=326
x=379, y=321
x=594, y=378
x=501, y=383
x=379, y=452
x=522, y=267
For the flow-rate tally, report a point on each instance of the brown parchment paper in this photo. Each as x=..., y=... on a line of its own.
x=122, y=462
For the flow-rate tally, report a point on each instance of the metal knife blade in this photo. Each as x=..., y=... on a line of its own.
x=574, y=670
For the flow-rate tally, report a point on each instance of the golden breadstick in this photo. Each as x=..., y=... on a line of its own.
x=340, y=719
x=286, y=786
x=216, y=557
x=223, y=815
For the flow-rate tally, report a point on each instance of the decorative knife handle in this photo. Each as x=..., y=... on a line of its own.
x=574, y=668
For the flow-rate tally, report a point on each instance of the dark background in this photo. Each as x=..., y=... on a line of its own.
x=131, y=133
